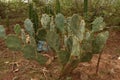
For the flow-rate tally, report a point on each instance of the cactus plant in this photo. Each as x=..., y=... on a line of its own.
x=2, y=32
x=67, y=37
x=98, y=24
x=45, y=20
x=29, y=51
x=53, y=40
x=99, y=41
x=79, y=42
x=41, y=35
x=74, y=24
x=17, y=29
x=29, y=27
x=59, y=21
x=13, y=42
x=17, y=42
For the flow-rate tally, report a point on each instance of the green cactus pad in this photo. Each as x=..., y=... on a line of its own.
x=99, y=42
x=41, y=34
x=63, y=57
x=69, y=44
x=42, y=59
x=13, y=43
x=86, y=57
x=45, y=21
x=28, y=51
x=2, y=32
x=32, y=41
x=87, y=43
x=81, y=32
x=59, y=21
x=29, y=27
x=76, y=47
x=52, y=39
x=17, y=29
x=74, y=26
x=98, y=24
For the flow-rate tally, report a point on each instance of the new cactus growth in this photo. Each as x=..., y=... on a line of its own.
x=17, y=29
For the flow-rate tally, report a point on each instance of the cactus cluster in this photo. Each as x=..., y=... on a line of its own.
x=72, y=42
x=67, y=37
x=17, y=41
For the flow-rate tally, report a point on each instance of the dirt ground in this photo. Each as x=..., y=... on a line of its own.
x=13, y=66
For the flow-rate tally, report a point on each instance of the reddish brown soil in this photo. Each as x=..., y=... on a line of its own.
x=13, y=66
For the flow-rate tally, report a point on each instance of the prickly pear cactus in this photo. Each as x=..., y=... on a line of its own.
x=63, y=57
x=2, y=32
x=98, y=24
x=81, y=32
x=52, y=25
x=52, y=39
x=29, y=27
x=17, y=29
x=74, y=24
x=68, y=44
x=29, y=51
x=76, y=47
x=59, y=21
x=13, y=42
x=41, y=35
x=41, y=59
x=68, y=37
x=99, y=42
x=45, y=21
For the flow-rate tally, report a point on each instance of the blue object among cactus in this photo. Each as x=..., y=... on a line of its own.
x=42, y=46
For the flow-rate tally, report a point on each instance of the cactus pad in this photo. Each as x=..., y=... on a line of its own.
x=52, y=39
x=29, y=27
x=13, y=42
x=98, y=24
x=59, y=21
x=2, y=32
x=17, y=29
x=29, y=51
